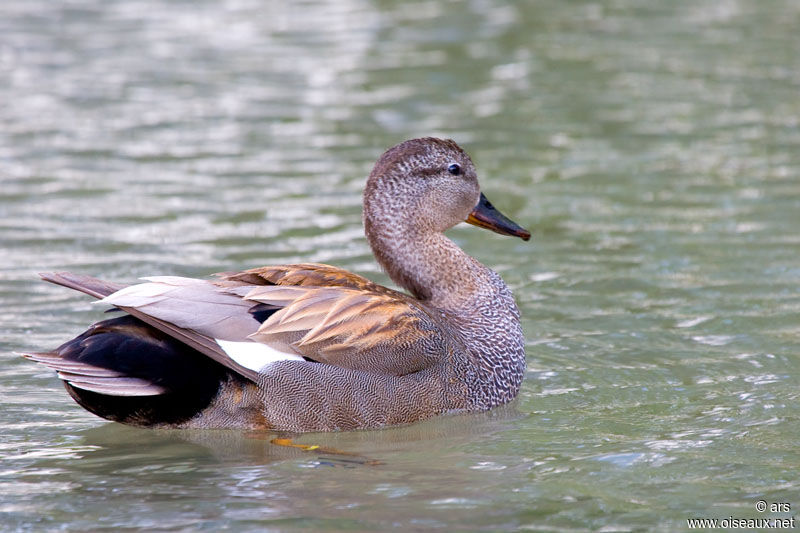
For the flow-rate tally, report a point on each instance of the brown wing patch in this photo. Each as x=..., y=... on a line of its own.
x=347, y=327
x=356, y=319
x=301, y=274
x=333, y=316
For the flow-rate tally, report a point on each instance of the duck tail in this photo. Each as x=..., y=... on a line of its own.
x=85, y=284
x=127, y=371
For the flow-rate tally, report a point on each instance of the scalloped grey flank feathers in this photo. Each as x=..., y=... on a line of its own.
x=312, y=347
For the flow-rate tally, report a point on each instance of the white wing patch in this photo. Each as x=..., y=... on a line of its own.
x=254, y=355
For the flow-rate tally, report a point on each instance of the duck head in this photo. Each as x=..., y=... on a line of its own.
x=428, y=185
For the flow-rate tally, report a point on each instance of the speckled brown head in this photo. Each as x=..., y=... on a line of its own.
x=429, y=184
x=419, y=188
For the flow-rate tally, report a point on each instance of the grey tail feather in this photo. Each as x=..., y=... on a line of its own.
x=85, y=284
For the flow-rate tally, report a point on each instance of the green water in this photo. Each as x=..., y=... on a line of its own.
x=653, y=148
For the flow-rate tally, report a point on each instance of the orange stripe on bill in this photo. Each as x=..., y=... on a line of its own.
x=485, y=215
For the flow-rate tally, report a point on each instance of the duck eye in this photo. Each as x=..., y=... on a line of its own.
x=454, y=169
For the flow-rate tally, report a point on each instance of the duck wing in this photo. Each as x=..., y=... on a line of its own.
x=330, y=315
x=303, y=311
x=301, y=274
x=143, y=293
x=376, y=332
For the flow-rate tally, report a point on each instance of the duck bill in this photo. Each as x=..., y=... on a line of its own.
x=486, y=216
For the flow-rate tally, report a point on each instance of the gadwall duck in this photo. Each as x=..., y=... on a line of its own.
x=312, y=347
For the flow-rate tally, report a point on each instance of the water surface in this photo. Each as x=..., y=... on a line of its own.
x=651, y=147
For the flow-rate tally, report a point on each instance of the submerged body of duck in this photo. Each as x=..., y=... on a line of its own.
x=311, y=347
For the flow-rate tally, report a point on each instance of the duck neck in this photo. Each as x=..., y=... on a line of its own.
x=431, y=267
x=472, y=298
